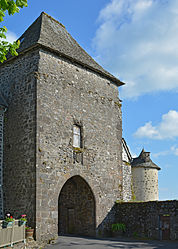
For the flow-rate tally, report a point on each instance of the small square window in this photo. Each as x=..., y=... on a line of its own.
x=77, y=136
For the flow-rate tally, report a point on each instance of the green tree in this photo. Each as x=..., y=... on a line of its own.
x=11, y=7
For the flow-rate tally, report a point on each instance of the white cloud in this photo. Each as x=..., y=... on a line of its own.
x=147, y=130
x=166, y=129
x=137, y=42
x=174, y=149
x=161, y=153
x=11, y=37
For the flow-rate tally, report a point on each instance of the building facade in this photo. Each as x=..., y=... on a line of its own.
x=62, y=134
x=63, y=161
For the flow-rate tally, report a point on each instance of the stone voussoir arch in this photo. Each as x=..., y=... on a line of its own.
x=76, y=207
x=63, y=179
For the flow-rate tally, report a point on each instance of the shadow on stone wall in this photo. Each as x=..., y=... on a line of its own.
x=105, y=227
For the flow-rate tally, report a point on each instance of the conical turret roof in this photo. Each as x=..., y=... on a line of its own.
x=52, y=35
x=143, y=160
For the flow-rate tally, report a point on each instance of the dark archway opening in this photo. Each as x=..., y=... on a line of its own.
x=76, y=208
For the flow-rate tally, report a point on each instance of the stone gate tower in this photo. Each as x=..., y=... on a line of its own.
x=62, y=134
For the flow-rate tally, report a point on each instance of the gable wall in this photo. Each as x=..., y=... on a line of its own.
x=69, y=94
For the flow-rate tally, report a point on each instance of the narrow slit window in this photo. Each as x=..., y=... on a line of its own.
x=77, y=136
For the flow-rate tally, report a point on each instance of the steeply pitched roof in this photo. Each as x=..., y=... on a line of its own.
x=3, y=102
x=52, y=35
x=143, y=160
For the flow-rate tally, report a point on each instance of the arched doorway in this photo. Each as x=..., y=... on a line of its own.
x=76, y=208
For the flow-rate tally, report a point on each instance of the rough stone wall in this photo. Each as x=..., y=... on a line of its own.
x=143, y=219
x=145, y=183
x=18, y=84
x=69, y=94
x=127, y=181
x=127, y=176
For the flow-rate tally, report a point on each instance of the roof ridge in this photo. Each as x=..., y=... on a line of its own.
x=53, y=19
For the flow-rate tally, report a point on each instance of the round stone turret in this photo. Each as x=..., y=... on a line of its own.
x=145, y=178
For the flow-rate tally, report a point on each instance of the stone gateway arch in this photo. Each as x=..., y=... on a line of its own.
x=77, y=214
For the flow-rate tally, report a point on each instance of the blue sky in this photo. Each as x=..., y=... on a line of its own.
x=137, y=41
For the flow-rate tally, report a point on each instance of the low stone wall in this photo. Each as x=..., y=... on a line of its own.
x=154, y=219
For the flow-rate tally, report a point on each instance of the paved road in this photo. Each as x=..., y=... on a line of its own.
x=66, y=242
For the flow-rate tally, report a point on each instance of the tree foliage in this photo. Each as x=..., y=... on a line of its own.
x=11, y=7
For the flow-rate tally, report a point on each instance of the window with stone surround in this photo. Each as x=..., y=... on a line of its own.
x=77, y=142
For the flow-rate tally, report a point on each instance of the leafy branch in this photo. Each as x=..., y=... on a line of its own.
x=11, y=7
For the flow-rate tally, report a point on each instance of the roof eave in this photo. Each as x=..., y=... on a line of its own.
x=146, y=166
x=113, y=79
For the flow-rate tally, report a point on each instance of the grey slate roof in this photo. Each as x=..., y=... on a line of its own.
x=3, y=102
x=143, y=160
x=52, y=35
